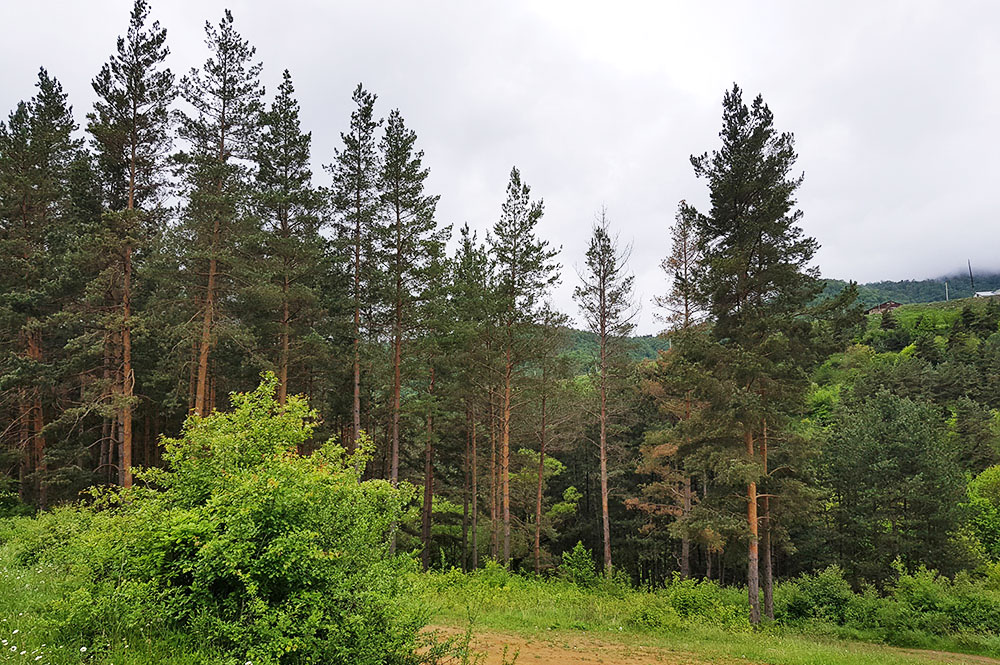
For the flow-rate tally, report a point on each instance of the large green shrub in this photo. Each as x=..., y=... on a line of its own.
x=244, y=545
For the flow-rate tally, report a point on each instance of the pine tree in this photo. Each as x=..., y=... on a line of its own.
x=671, y=492
x=605, y=298
x=130, y=129
x=474, y=316
x=222, y=134
x=525, y=271
x=755, y=281
x=407, y=241
x=37, y=150
x=292, y=250
x=355, y=198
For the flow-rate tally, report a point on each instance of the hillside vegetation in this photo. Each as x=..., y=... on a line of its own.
x=916, y=291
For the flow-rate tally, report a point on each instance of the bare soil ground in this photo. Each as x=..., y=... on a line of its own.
x=571, y=650
x=499, y=648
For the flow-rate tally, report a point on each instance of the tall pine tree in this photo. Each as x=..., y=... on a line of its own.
x=605, y=298
x=355, y=197
x=225, y=95
x=525, y=271
x=292, y=249
x=130, y=129
x=755, y=282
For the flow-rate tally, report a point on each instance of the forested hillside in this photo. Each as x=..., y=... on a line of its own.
x=917, y=291
x=245, y=395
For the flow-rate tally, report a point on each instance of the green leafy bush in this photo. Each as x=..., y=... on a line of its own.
x=824, y=595
x=242, y=544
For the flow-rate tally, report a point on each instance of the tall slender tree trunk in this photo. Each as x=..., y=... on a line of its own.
x=505, y=452
x=686, y=498
x=753, y=580
x=37, y=418
x=605, y=519
x=205, y=346
x=466, y=462
x=428, y=507
x=685, y=539
x=24, y=445
x=356, y=407
x=397, y=381
x=494, y=484
x=541, y=481
x=127, y=379
x=285, y=342
x=201, y=407
x=475, y=496
x=766, y=544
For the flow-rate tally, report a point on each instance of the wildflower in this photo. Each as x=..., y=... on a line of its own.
x=83, y=649
x=16, y=631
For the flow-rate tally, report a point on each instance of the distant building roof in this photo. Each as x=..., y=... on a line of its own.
x=987, y=294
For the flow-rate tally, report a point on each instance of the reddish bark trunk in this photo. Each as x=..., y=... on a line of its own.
x=127, y=379
x=605, y=519
x=766, y=544
x=428, y=507
x=505, y=451
x=753, y=579
x=475, y=497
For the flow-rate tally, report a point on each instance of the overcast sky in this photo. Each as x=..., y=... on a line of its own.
x=894, y=106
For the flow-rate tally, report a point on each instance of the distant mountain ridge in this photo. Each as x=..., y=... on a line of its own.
x=916, y=291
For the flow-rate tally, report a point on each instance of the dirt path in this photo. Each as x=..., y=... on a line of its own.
x=956, y=658
x=581, y=651
x=562, y=649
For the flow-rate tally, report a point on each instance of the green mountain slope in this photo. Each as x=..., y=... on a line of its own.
x=916, y=291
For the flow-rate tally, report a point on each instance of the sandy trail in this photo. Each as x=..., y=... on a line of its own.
x=582, y=650
x=562, y=649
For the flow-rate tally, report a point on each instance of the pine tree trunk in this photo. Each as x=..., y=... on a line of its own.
x=128, y=383
x=494, y=484
x=685, y=539
x=38, y=423
x=128, y=380
x=428, y=507
x=356, y=407
x=397, y=381
x=201, y=389
x=285, y=343
x=24, y=446
x=465, y=493
x=753, y=580
x=766, y=545
x=505, y=453
x=541, y=479
x=605, y=519
x=475, y=496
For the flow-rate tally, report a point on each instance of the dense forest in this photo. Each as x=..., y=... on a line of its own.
x=170, y=249
x=919, y=290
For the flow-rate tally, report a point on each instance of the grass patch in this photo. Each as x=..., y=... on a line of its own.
x=685, y=617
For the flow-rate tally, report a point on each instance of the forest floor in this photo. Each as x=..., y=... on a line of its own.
x=498, y=647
